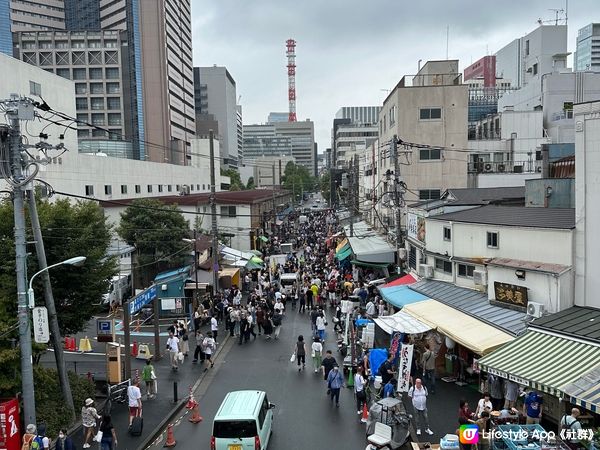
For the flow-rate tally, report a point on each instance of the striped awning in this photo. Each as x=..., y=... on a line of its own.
x=585, y=391
x=542, y=361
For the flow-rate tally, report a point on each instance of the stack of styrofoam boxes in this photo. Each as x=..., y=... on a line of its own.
x=368, y=335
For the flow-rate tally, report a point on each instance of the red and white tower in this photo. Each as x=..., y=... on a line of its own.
x=291, y=66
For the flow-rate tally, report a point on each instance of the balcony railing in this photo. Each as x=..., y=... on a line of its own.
x=532, y=166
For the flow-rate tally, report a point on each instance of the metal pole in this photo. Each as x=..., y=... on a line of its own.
x=127, y=339
x=21, y=264
x=349, y=199
x=196, y=296
x=213, y=213
x=157, y=356
x=49, y=299
x=398, y=198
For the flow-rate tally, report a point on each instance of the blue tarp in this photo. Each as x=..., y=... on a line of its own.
x=376, y=358
x=400, y=296
x=171, y=274
x=285, y=212
x=362, y=322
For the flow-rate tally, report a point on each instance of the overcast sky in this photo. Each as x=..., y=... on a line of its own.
x=350, y=51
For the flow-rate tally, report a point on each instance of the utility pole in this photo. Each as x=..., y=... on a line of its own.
x=349, y=199
x=274, y=208
x=49, y=299
x=27, y=385
x=398, y=197
x=213, y=213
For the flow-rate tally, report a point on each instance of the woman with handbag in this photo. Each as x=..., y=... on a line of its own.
x=106, y=436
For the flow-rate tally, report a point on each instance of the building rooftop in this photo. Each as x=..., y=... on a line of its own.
x=528, y=265
x=475, y=196
x=577, y=321
x=514, y=216
x=223, y=197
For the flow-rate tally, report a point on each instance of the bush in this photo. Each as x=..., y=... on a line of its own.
x=51, y=408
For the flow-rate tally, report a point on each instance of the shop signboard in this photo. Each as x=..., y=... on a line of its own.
x=105, y=329
x=510, y=294
x=395, y=345
x=416, y=227
x=496, y=372
x=518, y=380
x=142, y=299
x=41, y=330
x=406, y=354
x=10, y=436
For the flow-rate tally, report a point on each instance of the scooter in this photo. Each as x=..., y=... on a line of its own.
x=390, y=411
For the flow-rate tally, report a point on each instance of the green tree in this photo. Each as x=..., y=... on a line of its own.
x=250, y=184
x=157, y=232
x=297, y=179
x=325, y=186
x=235, y=182
x=69, y=229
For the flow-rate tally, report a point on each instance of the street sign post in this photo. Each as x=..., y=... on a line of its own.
x=142, y=299
x=105, y=330
x=41, y=330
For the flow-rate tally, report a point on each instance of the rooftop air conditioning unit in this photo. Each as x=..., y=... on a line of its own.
x=488, y=167
x=501, y=168
x=185, y=190
x=535, y=309
x=426, y=271
x=480, y=277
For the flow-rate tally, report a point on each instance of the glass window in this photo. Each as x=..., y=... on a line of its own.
x=228, y=211
x=149, y=188
x=111, y=57
x=94, y=44
x=113, y=88
x=78, y=58
x=110, y=44
x=65, y=73
x=430, y=113
x=81, y=103
x=447, y=234
x=169, y=188
x=465, y=270
x=443, y=265
x=123, y=189
x=99, y=133
x=429, y=194
x=95, y=58
x=112, y=73
x=82, y=117
x=96, y=88
x=138, y=189
x=98, y=119
x=77, y=44
x=428, y=154
x=107, y=189
x=89, y=190
x=79, y=74
x=233, y=429
x=97, y=103
x=160, y=188
x=46, y=59
x=35, y=88
x=62, y=58
x=114, y=119
x=96, y=74
x=113, y=103
x=83, y=133
x=115, y=135
x=492, y=239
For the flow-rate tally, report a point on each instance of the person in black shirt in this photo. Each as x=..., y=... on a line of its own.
x=386, y=370
x=328, y=363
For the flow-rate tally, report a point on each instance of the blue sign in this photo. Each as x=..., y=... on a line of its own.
x=104, y=329
x=145, y=297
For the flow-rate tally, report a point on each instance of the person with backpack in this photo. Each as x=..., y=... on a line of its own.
x=570, y=426
x=89, y=415
x=32, y=440
x=42, y=438
x=277, y=320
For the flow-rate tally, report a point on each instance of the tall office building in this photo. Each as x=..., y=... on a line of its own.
x=82, y=15
x=359, y=114
x=240, y=132
x=5, y=34
x=587, y=55
x=278, y=117
x=354, y=128
x=35, y=15
x=216, y=94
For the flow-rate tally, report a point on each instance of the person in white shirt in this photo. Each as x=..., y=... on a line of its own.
x=279, y=304
x=134, y=397
x=320, y=323
x=359, y=390
x=317, y=353
x=484, y=404
x=209, y=345
x=371, y=308
x=418, y=394
x=173, y=348
x=380, y=308
x=214, y=327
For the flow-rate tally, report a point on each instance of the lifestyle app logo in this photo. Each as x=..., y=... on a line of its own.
x=468, y=434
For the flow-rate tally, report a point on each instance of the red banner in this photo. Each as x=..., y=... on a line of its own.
x=10, y=436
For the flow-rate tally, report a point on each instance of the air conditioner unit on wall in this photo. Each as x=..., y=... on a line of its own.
x=426, y=271
x=535, y=309
x=488, y=167
x=501, y=168
x=480, y=277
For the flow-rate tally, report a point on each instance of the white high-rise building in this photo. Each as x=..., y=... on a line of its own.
x=587, y=55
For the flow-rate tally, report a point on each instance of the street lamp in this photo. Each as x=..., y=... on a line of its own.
x=76, y=261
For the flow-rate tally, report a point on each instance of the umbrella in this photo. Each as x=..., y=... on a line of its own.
x=256, y=252
x=257, y=260
x=255, y=263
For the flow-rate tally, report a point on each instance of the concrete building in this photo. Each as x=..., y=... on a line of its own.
x=94, y=61
x=587, y=190
x=244, y=214
x=359, y=114
x=433, y=114
x=587, y=55
x=278, y=117
x=35, y=15
x=5, y=33
x=483, y=69
x=352, y=139
x=295, y=139
x=216, y=94
x=240, y=132
x=533, y=55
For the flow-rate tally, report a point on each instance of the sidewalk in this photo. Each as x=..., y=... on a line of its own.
x=156, y=410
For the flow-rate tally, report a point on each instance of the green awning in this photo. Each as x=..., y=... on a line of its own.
x=264, y=238
x=344, y=254
x=355, y=262
x=542, y=361
x=343, y=249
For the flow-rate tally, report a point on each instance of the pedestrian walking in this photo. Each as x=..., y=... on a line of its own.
x=277, y=320
x=89, y=416
x=184, y=339
x=268, y=325
x=317, y=352
x=359, y=390
x=236, y=317
x=173, y=348
x=328, y=363
x=260, y=319
x=134, y=398
x=199, y=350
x=428, y=364
x=209, y=346
x=109, y=436
x=418, y=394
x=320, y=324
x=335, y=381
x=214, y=328
x=149, y=377
x=64, y=441
x=250, y=328
x=300, y=350
x=43, y=439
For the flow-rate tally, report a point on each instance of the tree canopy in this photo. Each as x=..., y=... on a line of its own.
x=235, y=182
x=157, y=231
x=297, y=179
x=325, y=186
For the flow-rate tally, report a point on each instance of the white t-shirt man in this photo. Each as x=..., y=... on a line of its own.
x=371, y=308
x=134, y=395
x=214, y=326
x=482, y=405
x=173, y=344
x=279, y=306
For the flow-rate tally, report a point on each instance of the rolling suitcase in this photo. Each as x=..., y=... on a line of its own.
x=137, y=425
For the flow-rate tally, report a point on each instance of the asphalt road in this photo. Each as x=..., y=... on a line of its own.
x=304, y=418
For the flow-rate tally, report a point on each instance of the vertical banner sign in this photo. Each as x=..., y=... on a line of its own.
x=396, y=345
x=41, y=331
x=10, y=436
x=405, y=366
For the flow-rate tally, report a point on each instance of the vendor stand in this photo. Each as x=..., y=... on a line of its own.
x=525, y=437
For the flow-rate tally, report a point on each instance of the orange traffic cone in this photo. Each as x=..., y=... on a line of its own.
x=365, y=413
x=134, y=349
x=196, y=417
x=171, y=442
x=72, y=347
x=67, y=343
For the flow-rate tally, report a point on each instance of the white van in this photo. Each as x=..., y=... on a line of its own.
x=289, y=283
